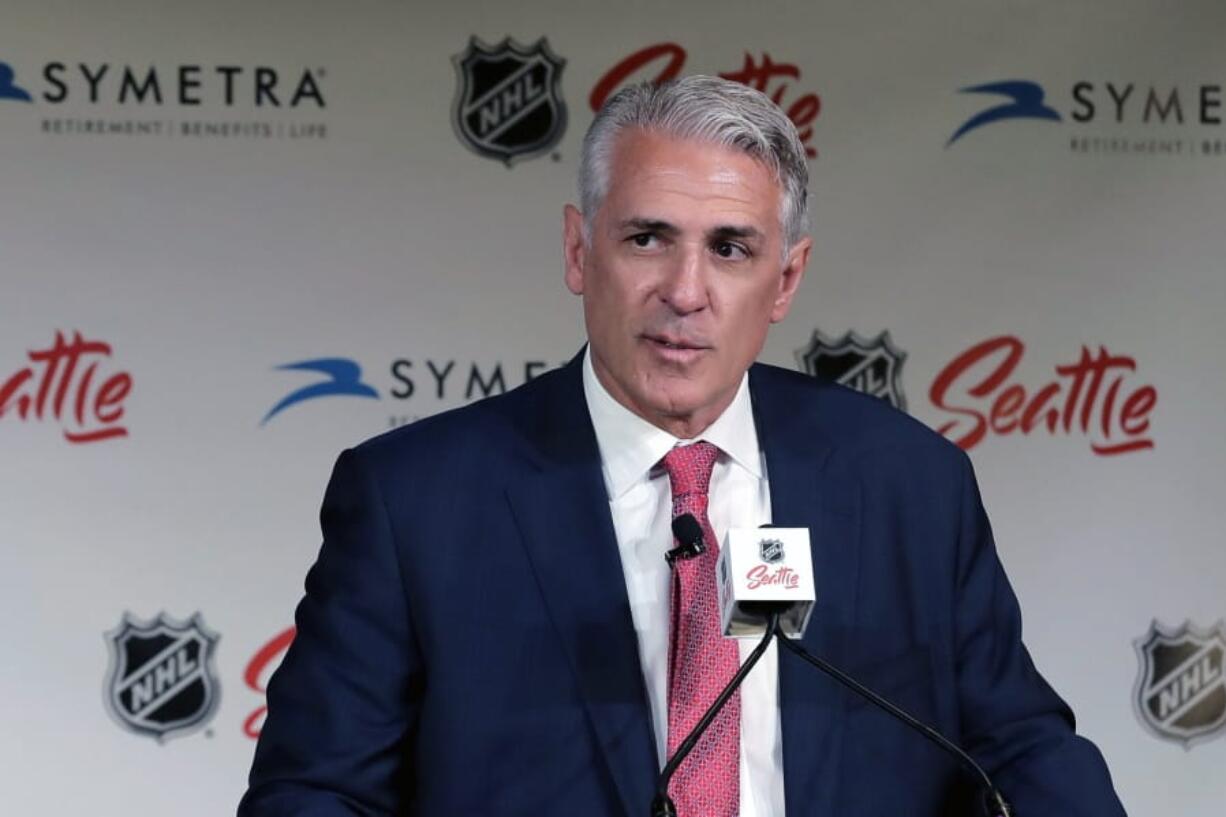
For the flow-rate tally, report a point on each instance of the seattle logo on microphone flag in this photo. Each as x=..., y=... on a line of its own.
x=765, y=565
x=162, y=681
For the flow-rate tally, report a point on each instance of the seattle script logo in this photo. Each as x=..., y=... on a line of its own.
x=1088, y=397
x=62, y=383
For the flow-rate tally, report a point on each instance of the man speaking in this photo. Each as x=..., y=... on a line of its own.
x=492, y=627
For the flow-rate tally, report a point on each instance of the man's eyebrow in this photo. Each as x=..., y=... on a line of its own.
x=722, y=232
x=648, y=225
x=726, y=231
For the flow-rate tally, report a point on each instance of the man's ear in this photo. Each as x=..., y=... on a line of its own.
x=574, y=248
x=790, y=277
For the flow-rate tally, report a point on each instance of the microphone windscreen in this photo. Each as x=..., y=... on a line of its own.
x=687, y=530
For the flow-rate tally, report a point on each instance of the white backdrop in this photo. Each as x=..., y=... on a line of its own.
x=210, y=243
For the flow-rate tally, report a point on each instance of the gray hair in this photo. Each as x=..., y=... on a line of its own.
x=707, y=109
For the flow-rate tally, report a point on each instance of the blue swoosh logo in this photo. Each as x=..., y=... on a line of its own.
x=1027, y=104
x=344, y=379
x=8, y=86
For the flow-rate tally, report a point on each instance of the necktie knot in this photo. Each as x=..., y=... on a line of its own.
x=689, y=468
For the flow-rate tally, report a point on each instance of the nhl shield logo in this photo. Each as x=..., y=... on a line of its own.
x=508, y=104
x=162, y=681
x=771, y=550
x=870, y=366
x=1180, y=693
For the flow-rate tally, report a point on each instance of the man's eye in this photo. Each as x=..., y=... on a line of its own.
x=643, y=240
x=730, y=249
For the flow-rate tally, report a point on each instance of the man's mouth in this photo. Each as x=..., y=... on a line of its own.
x=672, y=343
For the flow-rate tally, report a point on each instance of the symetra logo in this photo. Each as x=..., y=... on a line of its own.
x=188, y=85
x=150, y=99
x=410, y=382
x=9, y=89
x=1026, y=102
x=1112, y=117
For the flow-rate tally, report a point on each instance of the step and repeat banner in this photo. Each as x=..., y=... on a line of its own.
x=237, y=238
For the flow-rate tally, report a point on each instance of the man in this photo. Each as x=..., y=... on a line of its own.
x=492, y=629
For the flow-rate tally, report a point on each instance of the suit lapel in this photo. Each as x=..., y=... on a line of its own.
x=562, y=509
x=804, y=494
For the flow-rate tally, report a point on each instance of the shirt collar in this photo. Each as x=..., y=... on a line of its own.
x=630, y=446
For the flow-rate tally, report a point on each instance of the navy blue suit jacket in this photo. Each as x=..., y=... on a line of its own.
x=465, y=645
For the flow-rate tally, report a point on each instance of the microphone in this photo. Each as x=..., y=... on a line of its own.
x=763, y=570
x=688, y=533
x=766, y=583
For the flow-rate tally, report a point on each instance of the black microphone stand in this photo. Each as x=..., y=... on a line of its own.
x=662, y=805
x=994, y=803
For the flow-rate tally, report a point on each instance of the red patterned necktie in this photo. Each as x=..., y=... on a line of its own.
x=700, y=660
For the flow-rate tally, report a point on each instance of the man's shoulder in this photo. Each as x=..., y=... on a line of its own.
x=487, y=430
x=852, y=423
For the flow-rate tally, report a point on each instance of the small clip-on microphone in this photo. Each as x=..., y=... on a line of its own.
x=688, y=534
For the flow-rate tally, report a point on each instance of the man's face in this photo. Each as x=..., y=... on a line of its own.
x=684, y=273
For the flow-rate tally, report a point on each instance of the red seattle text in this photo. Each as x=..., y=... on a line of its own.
x=60, y=385
x=256, y=676
x=760, y=76
x=1115, y=419
x=782, y=576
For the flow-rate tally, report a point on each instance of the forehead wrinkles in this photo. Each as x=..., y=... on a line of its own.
x=649, y=153
x=719, y=192
x=724, y=184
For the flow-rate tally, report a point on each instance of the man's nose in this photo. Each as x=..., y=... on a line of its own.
x=684, y=285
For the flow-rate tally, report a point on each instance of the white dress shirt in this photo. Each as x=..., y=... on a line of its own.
x=640, y=500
